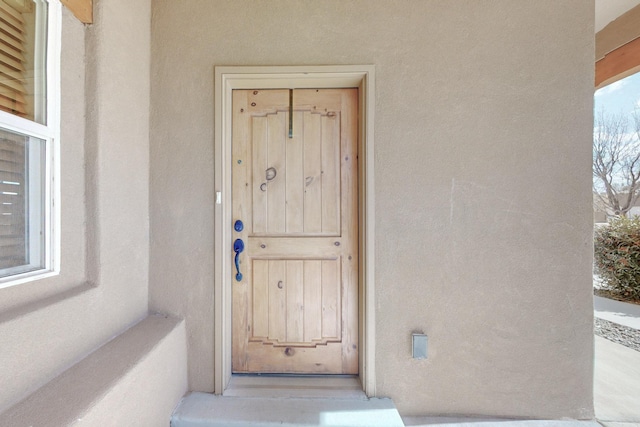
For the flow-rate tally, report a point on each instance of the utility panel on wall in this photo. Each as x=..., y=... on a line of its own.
x=419, y=346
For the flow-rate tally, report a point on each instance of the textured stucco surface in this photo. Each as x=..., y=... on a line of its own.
x=112, y=386
x=483, y=128
x=48, y=325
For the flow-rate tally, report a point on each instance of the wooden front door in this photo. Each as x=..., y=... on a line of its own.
x=295, y=190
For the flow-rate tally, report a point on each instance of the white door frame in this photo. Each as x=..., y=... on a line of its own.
x=298, y=77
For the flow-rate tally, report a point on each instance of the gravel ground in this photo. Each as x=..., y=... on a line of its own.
x=620, y=334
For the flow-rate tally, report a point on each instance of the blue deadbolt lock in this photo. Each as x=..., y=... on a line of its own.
x=238, y=226
x=238, y=247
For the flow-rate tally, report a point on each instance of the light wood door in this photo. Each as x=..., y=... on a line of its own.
x=295, y=190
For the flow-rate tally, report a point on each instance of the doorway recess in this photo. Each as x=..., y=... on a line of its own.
x=299, y=77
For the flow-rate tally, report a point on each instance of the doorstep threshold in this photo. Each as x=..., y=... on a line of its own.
x=295, y=386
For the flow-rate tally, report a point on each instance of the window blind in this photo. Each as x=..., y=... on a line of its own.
x=13, y=147
x=12, y=61
x=13, y=164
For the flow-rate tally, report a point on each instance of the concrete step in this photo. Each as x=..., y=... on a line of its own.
x=202, y=409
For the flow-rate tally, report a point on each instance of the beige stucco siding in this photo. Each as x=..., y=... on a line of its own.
x=482, y=126
x=47, y=325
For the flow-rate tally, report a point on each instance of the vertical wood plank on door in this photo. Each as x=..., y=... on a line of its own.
x=240, y=146
x=277, y=301
x=294, y=287
x=276, y=188
x=331, y=301
x=349, y=220
x=312, y=300
x=312, y=173
x=330, y=175
x=260, y=318
x=259, y=161
x=295, y=179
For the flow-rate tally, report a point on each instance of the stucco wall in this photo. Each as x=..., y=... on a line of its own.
x=47, y=325
x=483, y=122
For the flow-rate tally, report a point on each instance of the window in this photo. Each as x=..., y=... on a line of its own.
x=29, y=47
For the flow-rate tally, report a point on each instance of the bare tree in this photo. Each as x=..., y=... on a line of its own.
x=616, y=163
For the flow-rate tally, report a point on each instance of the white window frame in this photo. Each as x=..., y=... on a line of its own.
x=50, y=133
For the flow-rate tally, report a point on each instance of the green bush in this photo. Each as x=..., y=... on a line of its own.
x=617, y=256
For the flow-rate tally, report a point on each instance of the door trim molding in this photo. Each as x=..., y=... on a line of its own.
x=296, y=77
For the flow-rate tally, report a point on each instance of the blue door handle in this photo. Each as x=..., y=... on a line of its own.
x=238, y=247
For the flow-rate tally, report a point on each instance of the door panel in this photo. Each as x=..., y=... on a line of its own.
x=298, y=179
x=306, y=312
x=295, y=308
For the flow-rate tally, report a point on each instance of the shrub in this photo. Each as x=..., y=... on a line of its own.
x=617, y=256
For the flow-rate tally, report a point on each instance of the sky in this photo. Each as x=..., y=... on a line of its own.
x=621, y=97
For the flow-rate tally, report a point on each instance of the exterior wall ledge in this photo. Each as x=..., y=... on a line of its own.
x=112, y=385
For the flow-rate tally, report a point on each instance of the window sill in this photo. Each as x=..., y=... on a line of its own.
x=30, y=276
